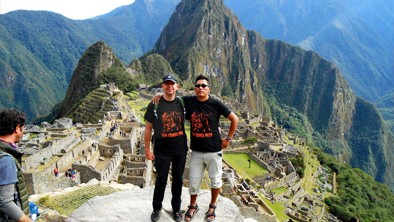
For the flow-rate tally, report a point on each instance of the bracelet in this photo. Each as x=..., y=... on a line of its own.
x=228, y=139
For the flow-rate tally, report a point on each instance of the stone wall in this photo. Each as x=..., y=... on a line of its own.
x=137, y=171
x=132, y=164
x=88, y=172
x=260, y=162
x=125, y=143
x=33, y=161
x=136, y=137
x=250, y=212
x=112, y=164
x=91, y=158
x=138, y=180
x=42, y=181
x=229, y=177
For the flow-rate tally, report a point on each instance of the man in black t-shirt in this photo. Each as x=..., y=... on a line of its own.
x=170, y=145
x=204, y=114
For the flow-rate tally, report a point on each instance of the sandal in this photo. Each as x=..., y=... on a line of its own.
x=210, y=214
x=188, y=216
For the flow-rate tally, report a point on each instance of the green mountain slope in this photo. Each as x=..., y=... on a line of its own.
x=39, y=50
x=355, y=35
x=386, y=107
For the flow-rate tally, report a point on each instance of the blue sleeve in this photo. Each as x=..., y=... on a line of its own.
x=8, y=171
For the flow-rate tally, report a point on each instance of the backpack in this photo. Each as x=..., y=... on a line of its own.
x=182, y=103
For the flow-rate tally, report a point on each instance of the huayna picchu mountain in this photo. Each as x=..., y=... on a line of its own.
x=98, y=66
x=278, y=80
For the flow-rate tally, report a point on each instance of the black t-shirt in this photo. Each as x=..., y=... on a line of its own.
x=168, y=126
x=204, y=123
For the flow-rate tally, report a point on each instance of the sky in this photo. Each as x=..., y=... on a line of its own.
x=73, y=9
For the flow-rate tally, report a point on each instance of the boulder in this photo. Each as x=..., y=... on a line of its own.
x=65, y=123
x=136, y=205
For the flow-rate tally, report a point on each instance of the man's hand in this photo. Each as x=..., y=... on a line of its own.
x=25, y=218
x=225, y=143
x=149, y=155
x=157, y=97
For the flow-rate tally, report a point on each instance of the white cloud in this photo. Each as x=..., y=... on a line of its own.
x=74, y=9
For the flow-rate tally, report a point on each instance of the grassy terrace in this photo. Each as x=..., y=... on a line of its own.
x=241, y=164
x=138, y=104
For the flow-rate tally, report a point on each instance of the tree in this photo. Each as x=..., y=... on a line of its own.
x=249, y=141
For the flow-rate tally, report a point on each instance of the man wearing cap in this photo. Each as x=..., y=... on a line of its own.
x=170, y=145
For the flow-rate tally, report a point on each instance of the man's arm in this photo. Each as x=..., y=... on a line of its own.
x=233, y=126
x=147, y=139
x=157, y=97
x=7, y=205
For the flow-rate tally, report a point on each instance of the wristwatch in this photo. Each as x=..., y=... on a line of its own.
x=228, y=139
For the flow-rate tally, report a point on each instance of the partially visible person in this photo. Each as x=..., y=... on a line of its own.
x=73, y=173
x=166, y=119
x=56, y=171
x=204, y=113
x=14, y=197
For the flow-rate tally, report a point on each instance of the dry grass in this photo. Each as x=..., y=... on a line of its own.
x=66, y=203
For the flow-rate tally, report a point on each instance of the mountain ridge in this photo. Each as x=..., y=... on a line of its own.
x=214, y=43
x=49, y=45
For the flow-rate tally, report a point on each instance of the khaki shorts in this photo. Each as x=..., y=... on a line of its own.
x=199, y=161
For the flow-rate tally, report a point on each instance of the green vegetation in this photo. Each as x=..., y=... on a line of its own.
x=137, y=103
x=65, y=204
x=249, y=141
x=277, y=208
x=279, y=190
x=289, y=117
x=357, y=193
x=311, y=164
x=40, y=50
x=299, y=165
x=241, y=164
x=117, y=74
x=386, y=107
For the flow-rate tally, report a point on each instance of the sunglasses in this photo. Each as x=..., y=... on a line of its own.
x=202, y=85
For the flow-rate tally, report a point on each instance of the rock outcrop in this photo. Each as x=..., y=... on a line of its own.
x=136, y=205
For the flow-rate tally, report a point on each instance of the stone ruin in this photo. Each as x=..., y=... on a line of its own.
x=94, y=149
x=272, y=154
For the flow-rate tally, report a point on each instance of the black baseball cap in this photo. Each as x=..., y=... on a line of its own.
x=169, y=77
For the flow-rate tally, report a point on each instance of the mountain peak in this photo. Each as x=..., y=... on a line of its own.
x=91, y=71
x=193, y=22
x=204, y=37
